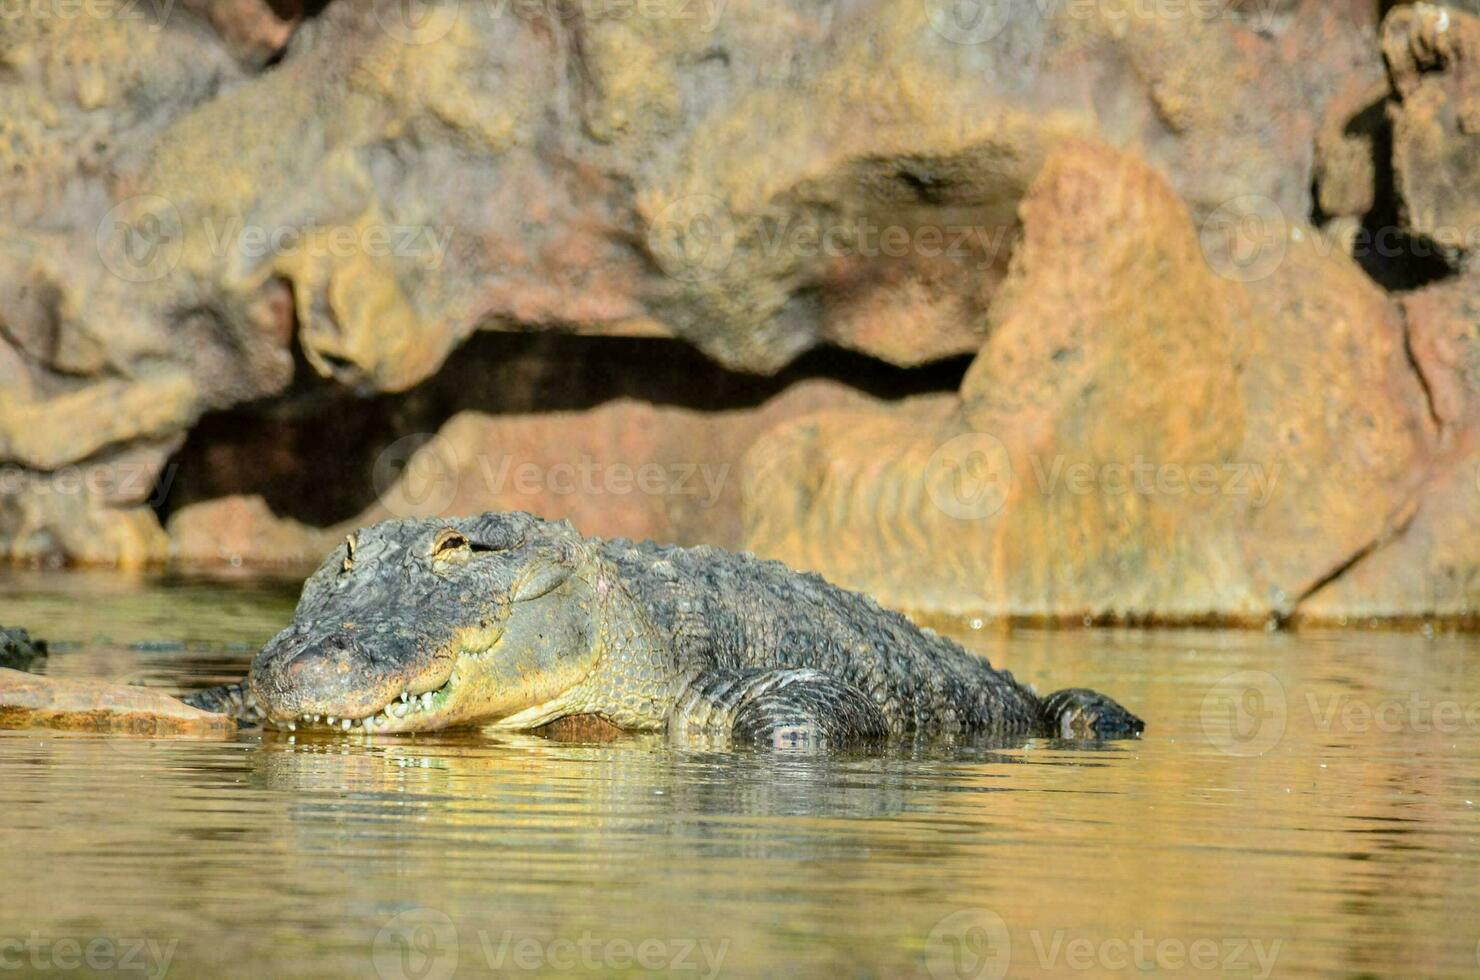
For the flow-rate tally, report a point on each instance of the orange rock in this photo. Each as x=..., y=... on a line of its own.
x=626, y=468
x=1430, y=566
x=1162, y=424
x=31, y=701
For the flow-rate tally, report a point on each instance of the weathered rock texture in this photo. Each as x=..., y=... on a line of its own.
x=29, y=701
x=199, y=209
x=1433, y=55
x=625, y=468
x=1139, y=437
x=1430, y=568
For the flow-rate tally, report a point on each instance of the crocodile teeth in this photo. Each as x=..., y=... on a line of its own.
x=346, y=724
x=397, y=710
x=426, y=700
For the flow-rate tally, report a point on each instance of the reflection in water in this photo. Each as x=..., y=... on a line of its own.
x=1301, y=804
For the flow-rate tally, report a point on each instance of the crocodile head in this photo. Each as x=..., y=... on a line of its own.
x=426, y=624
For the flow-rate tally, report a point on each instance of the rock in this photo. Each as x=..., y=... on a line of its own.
x=1433, y=55
x=1349, y=148
x=17, y=649
x=256, y=31
x=1430, y=566
x=29, y=701
x=756, y=179
x=692, y=172
x=241, y=530
x=1158, y=427
x=626, y=468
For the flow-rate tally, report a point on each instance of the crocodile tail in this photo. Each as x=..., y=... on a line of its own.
x=1079, y=713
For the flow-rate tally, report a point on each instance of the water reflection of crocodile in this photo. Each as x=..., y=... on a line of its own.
x=509, y=621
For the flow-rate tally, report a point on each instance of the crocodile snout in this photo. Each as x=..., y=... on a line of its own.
x=335, y=674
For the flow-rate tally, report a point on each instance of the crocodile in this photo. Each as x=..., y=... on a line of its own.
x=511, y=622
x=18, y=649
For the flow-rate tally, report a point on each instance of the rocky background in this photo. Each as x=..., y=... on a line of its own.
x=1105, y=310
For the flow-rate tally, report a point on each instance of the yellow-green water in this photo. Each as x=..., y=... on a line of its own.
x=1301, y=804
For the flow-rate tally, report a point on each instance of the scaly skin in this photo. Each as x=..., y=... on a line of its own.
x=17, y=649
x=512, y=622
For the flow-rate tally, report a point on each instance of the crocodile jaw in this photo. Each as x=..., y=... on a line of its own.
x=474, y=693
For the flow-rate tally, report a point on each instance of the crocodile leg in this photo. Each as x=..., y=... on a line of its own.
x=230, y=699
x=795, y=708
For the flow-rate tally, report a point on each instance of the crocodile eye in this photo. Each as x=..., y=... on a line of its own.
x=448, y=541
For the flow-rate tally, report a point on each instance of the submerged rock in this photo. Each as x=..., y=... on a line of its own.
x=29, y=701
